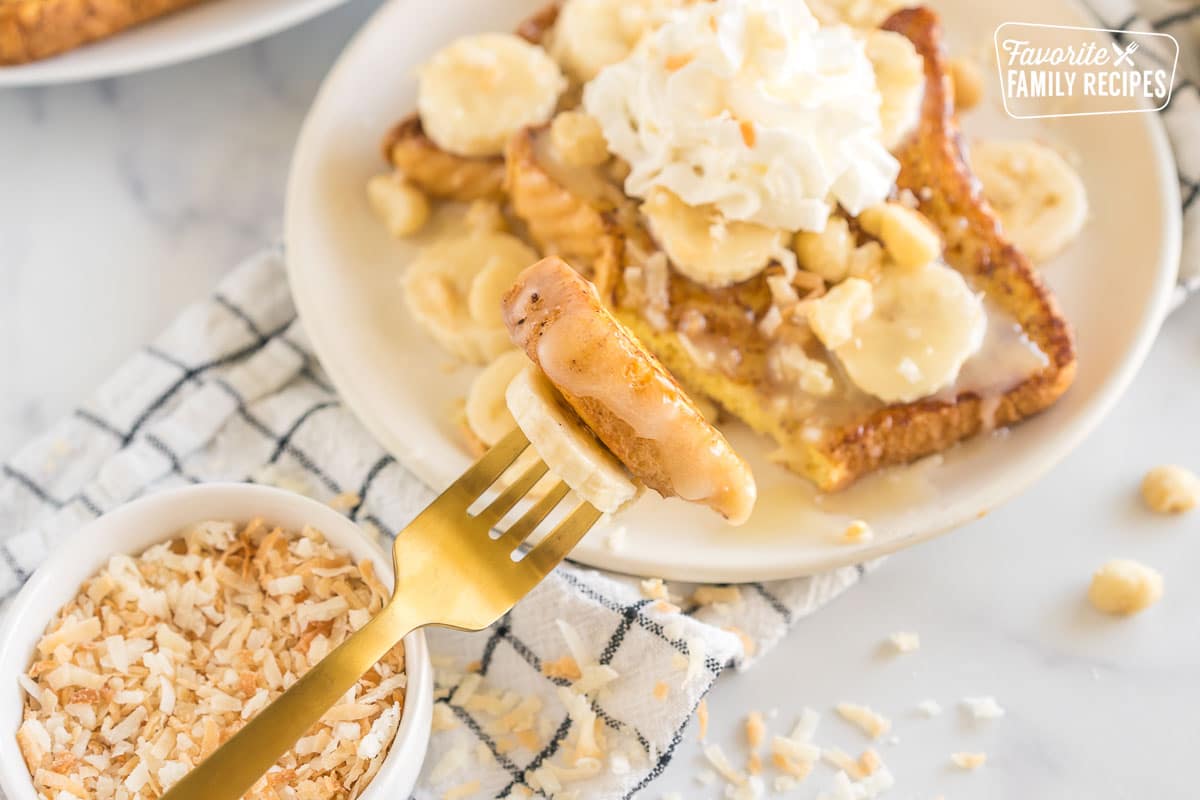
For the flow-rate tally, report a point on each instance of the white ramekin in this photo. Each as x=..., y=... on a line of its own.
x=137, y=525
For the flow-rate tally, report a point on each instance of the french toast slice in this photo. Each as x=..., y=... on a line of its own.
x=34, y=29
x=621, y=391
x=448, y=175
x=856, y=434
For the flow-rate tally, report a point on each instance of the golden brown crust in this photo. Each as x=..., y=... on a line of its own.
x=642, y=457
x=438, y=173
x=976, y=246
x=446, y=175
x=933, y=158
x=534, y=29
x=560, y=222
x=35, y=29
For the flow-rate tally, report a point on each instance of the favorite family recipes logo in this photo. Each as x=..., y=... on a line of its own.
x=1064, y=71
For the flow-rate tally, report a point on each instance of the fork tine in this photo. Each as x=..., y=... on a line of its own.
x=509, y=497
x=546, y=554
x=486, y=470
x=519, y=531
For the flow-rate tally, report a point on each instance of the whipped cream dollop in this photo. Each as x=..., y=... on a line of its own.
x=750, y=106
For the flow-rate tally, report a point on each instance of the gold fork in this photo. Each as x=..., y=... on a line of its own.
x=448, y=572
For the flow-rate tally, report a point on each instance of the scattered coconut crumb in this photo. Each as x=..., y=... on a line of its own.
x=344, y=501
x=697, y=652
x=930, y=708
x=983, y=707
x=655, y=589
x=443, y=718
x=869, y=722
x=720, y=762
x=462, y=790
x=968, y=761
x=574, y=642
x=749, y=646
x=162, y=656
x=905, y=642
x=866, y=789
x=756, y=729
x=708, y=595
x=565, y=667
x=702, y=719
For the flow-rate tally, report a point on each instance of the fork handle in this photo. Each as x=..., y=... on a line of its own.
x=233, y=767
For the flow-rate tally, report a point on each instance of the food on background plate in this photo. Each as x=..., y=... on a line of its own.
x=620, y=391
x=1038, y=196
x=800, y=241
x=36, y=29
x=164, y=655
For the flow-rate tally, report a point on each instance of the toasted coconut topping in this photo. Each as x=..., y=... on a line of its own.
x=968, y=761
x=869, y=722
x=163, y=656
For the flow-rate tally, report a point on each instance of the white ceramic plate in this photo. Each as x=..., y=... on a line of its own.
x=191, y=33
x=1113, y=283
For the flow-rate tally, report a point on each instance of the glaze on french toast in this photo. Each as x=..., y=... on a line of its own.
x=622, y=392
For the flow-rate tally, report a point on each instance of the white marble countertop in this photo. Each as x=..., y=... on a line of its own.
x=122, y=200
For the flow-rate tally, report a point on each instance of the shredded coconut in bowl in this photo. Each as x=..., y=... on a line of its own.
x=161, y=657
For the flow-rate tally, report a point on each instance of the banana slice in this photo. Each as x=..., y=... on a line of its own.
x=921, y=324
x=900, y=76
x=1041, y=200
x=479, y=90
x=591, y=34
x=453, y=289
x=486, y=408
x=707, y=248
x=565, y=443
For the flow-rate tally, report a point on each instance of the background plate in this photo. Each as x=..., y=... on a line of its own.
x=191, y=33
x=1113, y=284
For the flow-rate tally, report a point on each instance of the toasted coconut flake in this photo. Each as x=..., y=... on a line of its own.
x=720, y=762
x=930, y=708
x=697, y=652
x=983, y=707
x=756, y=729
x=655, y=589
x=574, y=642
x=160, y=658
x=462, y=790
x=869, y=722
x=565, y=667
x=707, y=595
x=969, y=761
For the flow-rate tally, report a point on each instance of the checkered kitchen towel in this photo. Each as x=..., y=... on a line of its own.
x=1181, y=117
x=232, y=392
